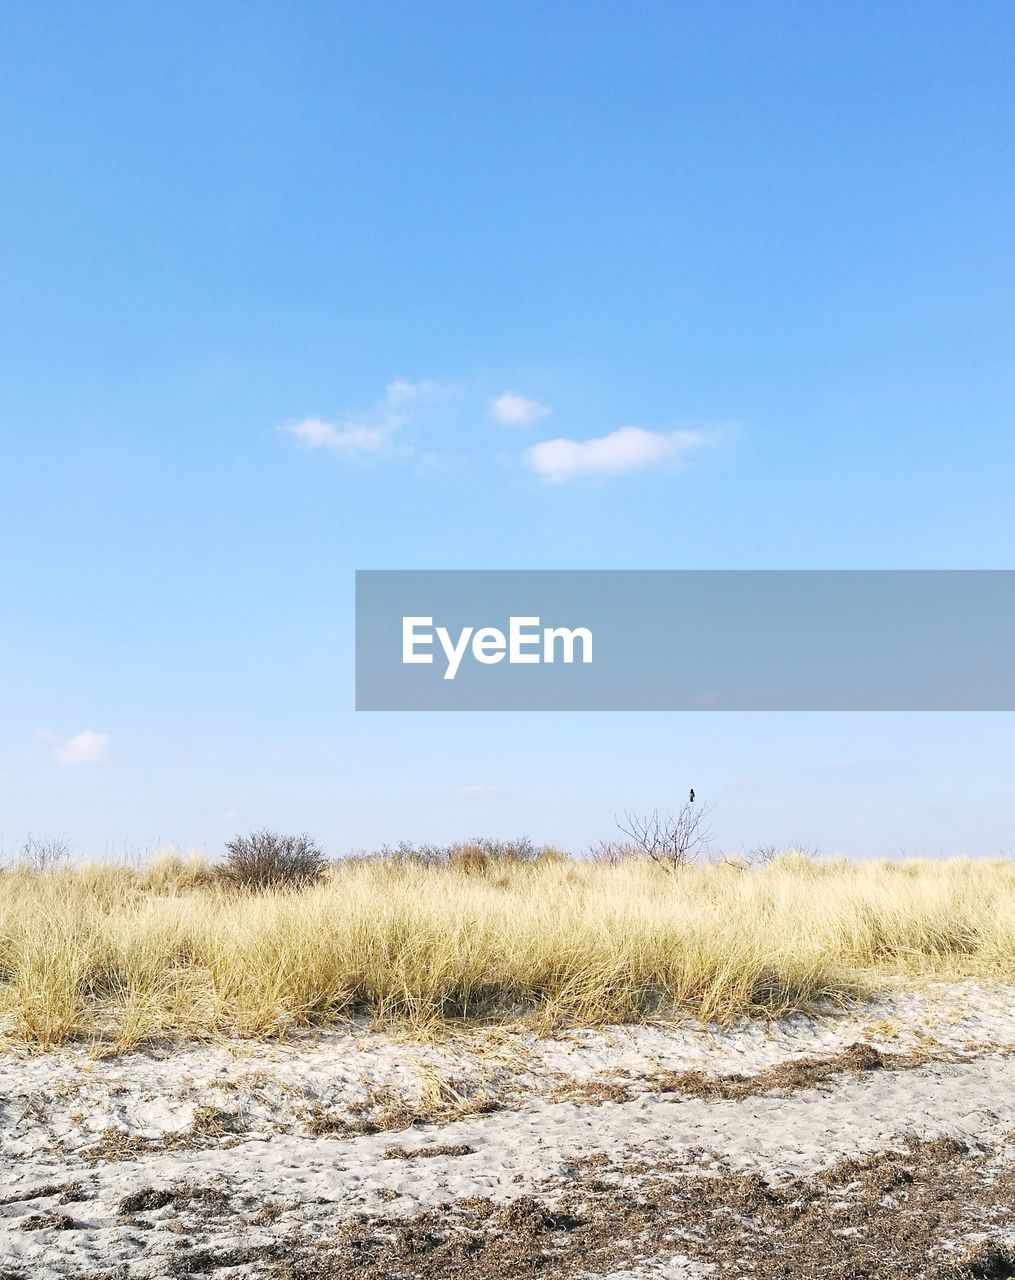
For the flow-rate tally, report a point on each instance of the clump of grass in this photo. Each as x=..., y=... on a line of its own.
x=438, y=1101
x=169, y=872
x=126, y=954
x=212, y=1122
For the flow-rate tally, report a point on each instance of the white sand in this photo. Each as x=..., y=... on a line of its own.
x=55, y=1106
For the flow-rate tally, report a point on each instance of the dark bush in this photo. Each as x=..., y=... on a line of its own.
x=267, y=860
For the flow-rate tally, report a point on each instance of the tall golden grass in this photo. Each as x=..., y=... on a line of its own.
x=126, y=954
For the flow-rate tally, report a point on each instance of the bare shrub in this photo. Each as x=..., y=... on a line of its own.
x=761, y=855
x=672, y=840
x=407, y=854
x=748, y=859
x=44, y=853
x=267, y=860
x=613, y=853
x=519, y=850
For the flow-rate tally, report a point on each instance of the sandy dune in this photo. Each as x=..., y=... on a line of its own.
x=304, y=1159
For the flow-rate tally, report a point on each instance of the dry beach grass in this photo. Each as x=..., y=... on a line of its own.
x=127, y=954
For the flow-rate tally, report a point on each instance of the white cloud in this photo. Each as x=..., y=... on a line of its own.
x=513, y=410
x=86, y=747
x=402, y=393
x=352, y=438
x=374, y=432
x=627, y=449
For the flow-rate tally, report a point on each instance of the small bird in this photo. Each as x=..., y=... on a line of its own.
x=691, y=796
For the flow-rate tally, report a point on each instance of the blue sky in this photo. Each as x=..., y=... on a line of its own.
x=269, y=271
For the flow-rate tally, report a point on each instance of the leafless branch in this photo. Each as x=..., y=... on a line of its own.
x=670, y=839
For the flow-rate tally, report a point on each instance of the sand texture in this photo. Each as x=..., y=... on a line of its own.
x=810, y=1144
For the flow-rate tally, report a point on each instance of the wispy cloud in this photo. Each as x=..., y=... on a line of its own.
x=477, y=791
x=627, y=449
x=315, y=433
x=374, y=432
x=513, y=410
x=84, y=748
